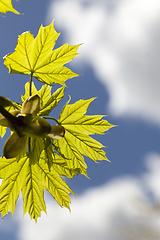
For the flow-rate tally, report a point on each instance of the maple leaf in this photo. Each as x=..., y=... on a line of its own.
x=77, y=141
x=46, y=161
x=26, y=123
x=40, y=168
x=37, y=57
x=31, y=179
x=37, y=155
x=6, y=6
x=49, y=102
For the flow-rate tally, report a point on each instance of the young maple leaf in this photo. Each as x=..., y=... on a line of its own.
x=36, y=57
x=77, y=141
x=40, y=168
x=31, y=179
x=6, y=6
x=47, y=160
x=27, y=123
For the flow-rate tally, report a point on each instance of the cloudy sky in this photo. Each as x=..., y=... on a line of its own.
x=119, y=63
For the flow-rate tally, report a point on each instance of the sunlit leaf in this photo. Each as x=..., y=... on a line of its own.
x=33, y=192
x=36, y=147
x=48, y=101
x=27, y=91
x=54, y=184
x=2, y=131
x=56, y=162
x=37, y=57
x=31, y=179
x=6, y=6
x=14, y=175
x=77, y=141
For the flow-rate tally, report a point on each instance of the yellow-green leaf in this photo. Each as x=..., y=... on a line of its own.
x=31, y=179
x=14, y=175
x=36, y=147
x=2, y=131
x=27, y=91
x=56, y=162
x=54, y=184
x=33, y=192
x=48, y=101
x=6, y=6
x=74, y=158
x=78, y=127
x=36, y=57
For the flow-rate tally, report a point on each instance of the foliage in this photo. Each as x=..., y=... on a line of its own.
x=37, y=155
x=6, y=6
x=35, y=57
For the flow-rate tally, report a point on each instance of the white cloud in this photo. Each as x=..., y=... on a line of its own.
x=111, y=211
x=121, y=42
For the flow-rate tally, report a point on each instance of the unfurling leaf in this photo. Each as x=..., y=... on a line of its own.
x=38, y=127
x=48, y=101
x=37, y=57
x=32, y=105
x=57, y=132
x=14, y=146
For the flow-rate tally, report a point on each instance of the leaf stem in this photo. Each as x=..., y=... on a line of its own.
x=30, y=84
x=54, y=119
x=30, y=94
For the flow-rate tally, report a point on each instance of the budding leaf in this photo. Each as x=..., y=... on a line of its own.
x=6, y=6
x=48, y=101
x=37, y=57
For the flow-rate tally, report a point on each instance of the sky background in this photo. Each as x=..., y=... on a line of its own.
x=119, y=64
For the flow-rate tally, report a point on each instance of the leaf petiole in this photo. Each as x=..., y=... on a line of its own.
x=51, y=118
x=30, y=94
x=30, y=84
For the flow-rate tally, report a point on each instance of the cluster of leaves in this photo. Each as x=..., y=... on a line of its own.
x=44, y=161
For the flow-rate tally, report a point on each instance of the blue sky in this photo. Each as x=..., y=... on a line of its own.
x=119, y=64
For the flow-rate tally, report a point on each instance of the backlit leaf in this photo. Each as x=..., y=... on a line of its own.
x=14, y=175
x=36, y=148
x=33, y=192
x=31, y=179
x=77, y=141
x=6, y=6
x=27, y=91
x=36, y=57
x=48, y=101
x=50, y=151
